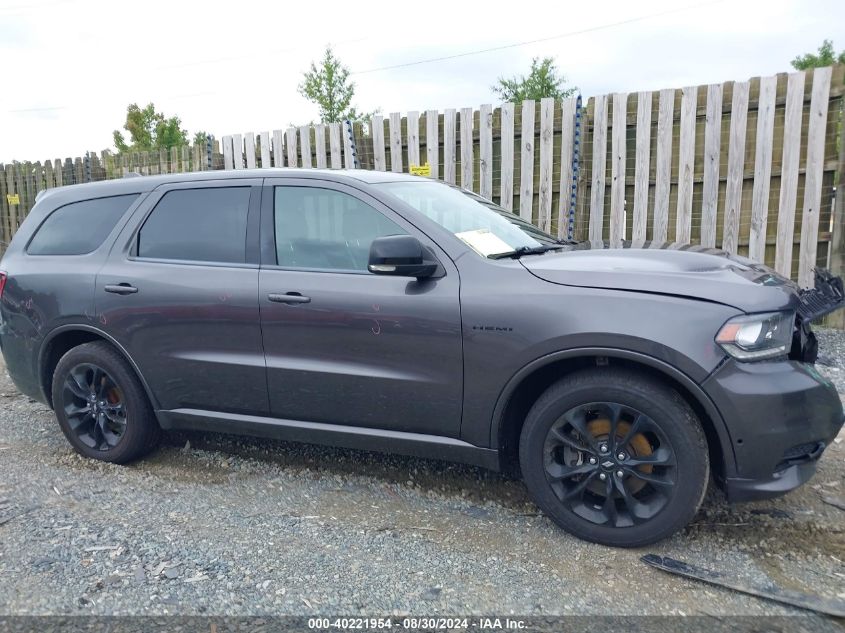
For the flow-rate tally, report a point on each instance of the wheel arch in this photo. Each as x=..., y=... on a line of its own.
x=523, y=389
x=64, y=338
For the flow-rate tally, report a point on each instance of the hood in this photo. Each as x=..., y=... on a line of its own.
x=681, y=270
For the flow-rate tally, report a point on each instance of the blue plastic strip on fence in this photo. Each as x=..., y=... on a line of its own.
x=576, y=163
x=352, y=144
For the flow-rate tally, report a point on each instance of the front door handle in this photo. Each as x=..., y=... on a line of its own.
x=290, y=297
x=121, y=289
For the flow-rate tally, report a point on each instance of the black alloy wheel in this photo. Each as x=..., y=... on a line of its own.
x=101, y=405
x=93, y=404
x=615, y=456
x=610, y=464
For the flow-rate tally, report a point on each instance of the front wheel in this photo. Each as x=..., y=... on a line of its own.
x=614, y=457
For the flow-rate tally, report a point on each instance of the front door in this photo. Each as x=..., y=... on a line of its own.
x=180, y=292
x=342, y=345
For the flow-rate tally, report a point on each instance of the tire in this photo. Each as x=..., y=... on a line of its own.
x=663, y=475
x=119, y=425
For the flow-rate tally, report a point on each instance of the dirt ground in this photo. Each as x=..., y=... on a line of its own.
x=213, y=524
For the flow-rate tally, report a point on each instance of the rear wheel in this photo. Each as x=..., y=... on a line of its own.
x=101, y=406
x=614, y=458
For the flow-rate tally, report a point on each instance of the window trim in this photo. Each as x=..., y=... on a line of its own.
x=268, y=223
x=118, y=225
x=253, y=210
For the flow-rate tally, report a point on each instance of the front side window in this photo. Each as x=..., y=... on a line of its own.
x=80, y=227
x=326, y=229
x=206, y=225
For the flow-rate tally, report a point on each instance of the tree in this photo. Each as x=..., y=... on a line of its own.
x=328, y=86
x=825, y=57
x=149, y=130
x=544, y=80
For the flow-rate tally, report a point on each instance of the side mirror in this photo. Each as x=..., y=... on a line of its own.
x=401, y=256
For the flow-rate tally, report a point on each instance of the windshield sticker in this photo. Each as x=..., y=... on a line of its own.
x=483, y=242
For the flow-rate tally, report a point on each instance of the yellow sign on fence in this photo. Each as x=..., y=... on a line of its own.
x=13, y=198
x=421, y=170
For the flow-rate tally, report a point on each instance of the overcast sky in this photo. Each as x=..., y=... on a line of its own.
x=70, y=67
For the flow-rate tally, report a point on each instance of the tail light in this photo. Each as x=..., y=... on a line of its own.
x=3, y=278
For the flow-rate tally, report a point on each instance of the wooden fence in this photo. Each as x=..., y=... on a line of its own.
x=748, y=166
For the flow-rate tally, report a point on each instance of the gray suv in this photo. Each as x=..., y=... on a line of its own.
x=388, y=312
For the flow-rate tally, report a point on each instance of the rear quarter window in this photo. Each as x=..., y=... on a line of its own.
x=80, y=227
x=198, y=225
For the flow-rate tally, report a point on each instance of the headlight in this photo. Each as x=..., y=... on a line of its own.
x=757, y=336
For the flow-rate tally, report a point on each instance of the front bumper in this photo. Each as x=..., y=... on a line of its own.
x=780, y=417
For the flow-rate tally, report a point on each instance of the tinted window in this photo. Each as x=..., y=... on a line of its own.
x=80, y=227
x=198, y=224
x=322, y=228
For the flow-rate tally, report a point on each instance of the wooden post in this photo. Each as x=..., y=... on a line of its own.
x=837, y=240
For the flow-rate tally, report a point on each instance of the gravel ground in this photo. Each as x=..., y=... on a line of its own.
x=213, y=524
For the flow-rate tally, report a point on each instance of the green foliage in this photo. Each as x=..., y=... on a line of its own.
x=544, y=80
x=825, y=57
x=201, y=137
x=149, y=130
x=328, y=86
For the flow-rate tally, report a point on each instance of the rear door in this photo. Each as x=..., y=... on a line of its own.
x=180, y=292
x=345, y=346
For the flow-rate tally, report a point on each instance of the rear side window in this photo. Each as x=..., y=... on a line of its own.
x=207, y=225
x=80, y=227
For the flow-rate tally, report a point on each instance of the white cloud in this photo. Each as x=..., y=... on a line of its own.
x=228, y=67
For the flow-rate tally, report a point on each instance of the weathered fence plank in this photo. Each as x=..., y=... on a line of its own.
x=712, y=153
x=264, y=141
x=335, y=151
x=396, y=142
x=567, y=181
x=432, y=122
x=249, y=150
x=305, y=145
x=228, y=161
x=413, y=132
x=736, y=166
x=526, y=175
x=320, y=146
x=813, y=176
x=485, y=150
x=641, y=167
x=449, y=139
x=237, y=153
x=278, y=148
x=466, y=149
x=506, y=149
x=789, y=173
x=547, y=120
x=432, y=142
x=618, y=155
x=762, y=168
x=686, y=164
x=291, y=147
x=377, y=131
x=599, y=168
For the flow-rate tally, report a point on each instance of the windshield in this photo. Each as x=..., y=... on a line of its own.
x=485, y=227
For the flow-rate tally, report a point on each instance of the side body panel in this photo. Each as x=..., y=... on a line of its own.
x=501, y=336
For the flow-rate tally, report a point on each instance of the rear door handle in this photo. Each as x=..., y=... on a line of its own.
x=290, y=297
x=121, y=289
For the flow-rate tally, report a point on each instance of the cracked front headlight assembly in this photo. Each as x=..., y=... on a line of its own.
x=757, y=336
